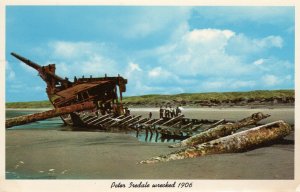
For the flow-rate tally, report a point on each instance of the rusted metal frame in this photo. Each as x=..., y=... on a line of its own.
x=87, y=117
x=156, y=122
x=176, y=124
x=97, y=120
x=100, y=118
x=82, y=116
x=121, y=117
x=186, y=126
x=197, y=127
x=147, y=122
x=107, y=123
x=139, y=121
x=151, y=128
x=102, y=121
x=118, y=122
x=130, y=120
x=173, y=119
x=90, y=120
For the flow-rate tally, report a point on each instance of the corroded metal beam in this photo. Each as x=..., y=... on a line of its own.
x=21, y=120
x=173, y=119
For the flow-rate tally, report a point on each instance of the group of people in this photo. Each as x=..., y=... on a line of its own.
x=169, y=112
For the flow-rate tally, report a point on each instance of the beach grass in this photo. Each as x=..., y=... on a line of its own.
x=218, y=96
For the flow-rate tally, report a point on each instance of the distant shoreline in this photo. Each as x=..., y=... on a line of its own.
x=146, y=108
x=28, y=109
x=250, y=99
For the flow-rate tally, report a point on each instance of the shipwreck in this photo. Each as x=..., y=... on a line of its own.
x=95, y=104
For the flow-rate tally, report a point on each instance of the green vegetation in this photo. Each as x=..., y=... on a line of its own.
x=211, y=96
x=256, y=95
x=31, y=104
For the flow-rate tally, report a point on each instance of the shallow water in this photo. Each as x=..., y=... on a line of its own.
x=57, y=123
x=53, y=123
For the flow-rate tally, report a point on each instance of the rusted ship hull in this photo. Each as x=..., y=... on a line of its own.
x=177, y=128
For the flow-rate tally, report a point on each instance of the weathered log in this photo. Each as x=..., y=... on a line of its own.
x=21, y=120
x=237, y=142
x=221, y=130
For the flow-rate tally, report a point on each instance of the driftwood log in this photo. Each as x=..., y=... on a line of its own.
x=237, y=142
x=221, y=131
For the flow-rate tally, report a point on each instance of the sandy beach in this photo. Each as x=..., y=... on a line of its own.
x=56, y=154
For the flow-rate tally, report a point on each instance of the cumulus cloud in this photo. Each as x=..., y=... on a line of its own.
x=243, y=45
x=151, y=21
x=270, y=80
x=201, y=52
x=184, y=64
x=82, y=58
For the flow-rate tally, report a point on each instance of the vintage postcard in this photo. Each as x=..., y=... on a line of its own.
x=149, y=96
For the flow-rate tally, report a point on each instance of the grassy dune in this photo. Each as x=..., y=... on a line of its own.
x=212, y=96
x=217, y=96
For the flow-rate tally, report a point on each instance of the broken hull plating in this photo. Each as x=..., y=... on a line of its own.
x=177, y=128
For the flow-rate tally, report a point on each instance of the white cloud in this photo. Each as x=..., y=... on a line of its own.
x=270, y=80
x=133, y=67
x=151, y=21
x=10, y=73
x=270, y=41
x=259, y=62
x=201, y=52
x=99, y=65
x=158, y=72
x=82, y=58
x=72, y=50
x=214, y=52
x=243, y=45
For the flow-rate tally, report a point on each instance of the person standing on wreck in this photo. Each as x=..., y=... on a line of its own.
x=150, y=115
x=161, y=112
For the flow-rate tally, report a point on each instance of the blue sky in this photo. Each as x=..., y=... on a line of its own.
x=160, y=50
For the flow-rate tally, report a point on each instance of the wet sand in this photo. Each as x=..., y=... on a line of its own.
x=46, y=154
